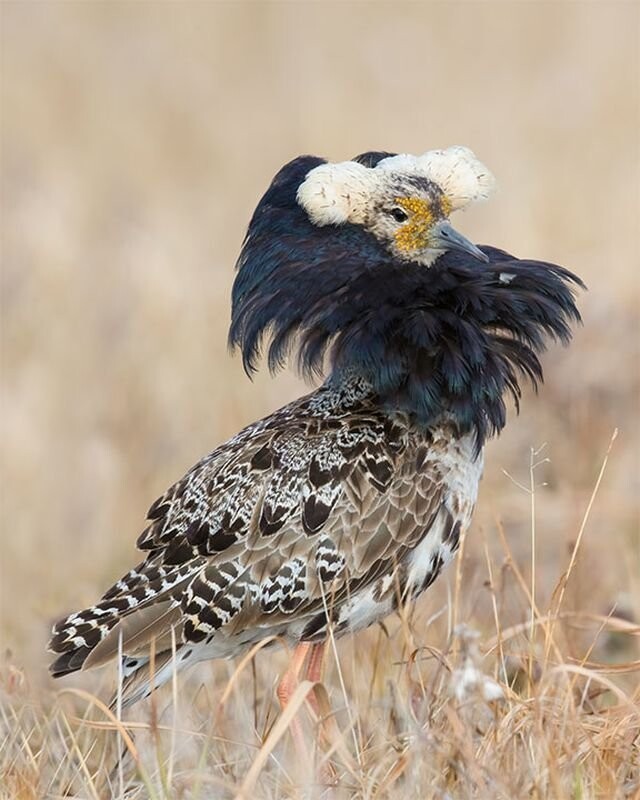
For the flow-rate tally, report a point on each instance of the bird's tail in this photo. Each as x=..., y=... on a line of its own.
x=139, y=676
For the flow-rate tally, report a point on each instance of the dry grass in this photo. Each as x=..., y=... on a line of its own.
x=136, y=138
x=526, y=710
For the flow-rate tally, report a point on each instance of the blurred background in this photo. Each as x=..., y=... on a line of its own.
x=137, y=138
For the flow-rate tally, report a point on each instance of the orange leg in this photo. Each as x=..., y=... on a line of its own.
x=314, y=673
x=290, y=680
x=327, y=773
x=287, y=687
x=314, y=667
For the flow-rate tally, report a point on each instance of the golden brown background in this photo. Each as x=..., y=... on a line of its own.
x=137, y=138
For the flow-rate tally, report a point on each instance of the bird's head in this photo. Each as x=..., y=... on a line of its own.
x=404, y=201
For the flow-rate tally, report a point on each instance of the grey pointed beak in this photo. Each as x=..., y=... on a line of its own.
x=446, y=237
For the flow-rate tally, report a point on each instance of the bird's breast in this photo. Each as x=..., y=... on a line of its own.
x=449, y=470
x=460, y=468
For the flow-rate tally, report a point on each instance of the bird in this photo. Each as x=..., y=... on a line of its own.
x=329, y=514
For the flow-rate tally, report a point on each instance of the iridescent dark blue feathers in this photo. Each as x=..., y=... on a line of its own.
x=451, y=339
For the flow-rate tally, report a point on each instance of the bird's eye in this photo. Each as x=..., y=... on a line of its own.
x=399, y=214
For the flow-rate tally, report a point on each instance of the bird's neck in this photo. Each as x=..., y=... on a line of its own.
x=349, y=389
x=345, y=390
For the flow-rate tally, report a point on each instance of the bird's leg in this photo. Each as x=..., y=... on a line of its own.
x=327, y=774
x=289, y=681
x=287, y=687
x=314, y=673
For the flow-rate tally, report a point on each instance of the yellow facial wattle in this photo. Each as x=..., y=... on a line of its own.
x=414, y=234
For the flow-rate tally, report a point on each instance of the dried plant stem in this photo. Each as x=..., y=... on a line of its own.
x=559, y=591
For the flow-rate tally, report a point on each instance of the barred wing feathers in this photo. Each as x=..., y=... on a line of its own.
x=304, y=504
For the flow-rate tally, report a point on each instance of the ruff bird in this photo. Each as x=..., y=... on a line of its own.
x=345, y=503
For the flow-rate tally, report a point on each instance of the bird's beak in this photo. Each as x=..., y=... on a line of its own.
x=445, y=237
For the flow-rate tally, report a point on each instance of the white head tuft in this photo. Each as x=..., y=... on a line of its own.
x=332, y=194
x=461, y=176
x=335, y=193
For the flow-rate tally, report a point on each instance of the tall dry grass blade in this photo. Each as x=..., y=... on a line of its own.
x=598, y=677
x=617, y=624
x=539, y=618
x=559, y=591
x=89, y=784
x=457, y=588
x=242, y=664
x=533, y=465
x=281, y=726
x=329, y=729
x=174, y=706
x=120, y=764
x=122, y=731
x=347, y=703
x=494, y=605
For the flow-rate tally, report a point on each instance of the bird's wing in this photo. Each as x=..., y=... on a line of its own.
x=294, y=509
